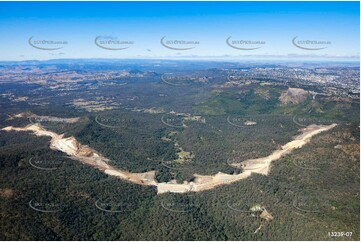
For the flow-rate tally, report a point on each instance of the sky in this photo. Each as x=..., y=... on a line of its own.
x=52, y=30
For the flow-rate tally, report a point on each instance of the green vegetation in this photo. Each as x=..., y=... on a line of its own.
x=313, y=191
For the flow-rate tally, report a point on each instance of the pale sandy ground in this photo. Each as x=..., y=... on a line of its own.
x=293, y=95
x=35, y=118
x=87, y=155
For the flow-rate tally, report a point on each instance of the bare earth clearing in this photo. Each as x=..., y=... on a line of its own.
x=293, y=95
x=87, y=155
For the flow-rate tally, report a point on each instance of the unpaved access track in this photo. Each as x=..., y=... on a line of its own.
x=90, y=157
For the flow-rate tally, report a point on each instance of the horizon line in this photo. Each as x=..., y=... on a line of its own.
x=215, y=58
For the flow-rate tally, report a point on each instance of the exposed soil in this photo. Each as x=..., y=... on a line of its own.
x=89, y=156
x=294, y=96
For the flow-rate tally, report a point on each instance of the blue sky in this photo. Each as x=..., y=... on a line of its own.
x=207, y=23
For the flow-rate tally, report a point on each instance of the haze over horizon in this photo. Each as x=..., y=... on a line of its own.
x=150, y=30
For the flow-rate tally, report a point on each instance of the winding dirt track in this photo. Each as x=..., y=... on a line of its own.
x=88, y=156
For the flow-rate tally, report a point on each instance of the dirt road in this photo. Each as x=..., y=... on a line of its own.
x=90, y=157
